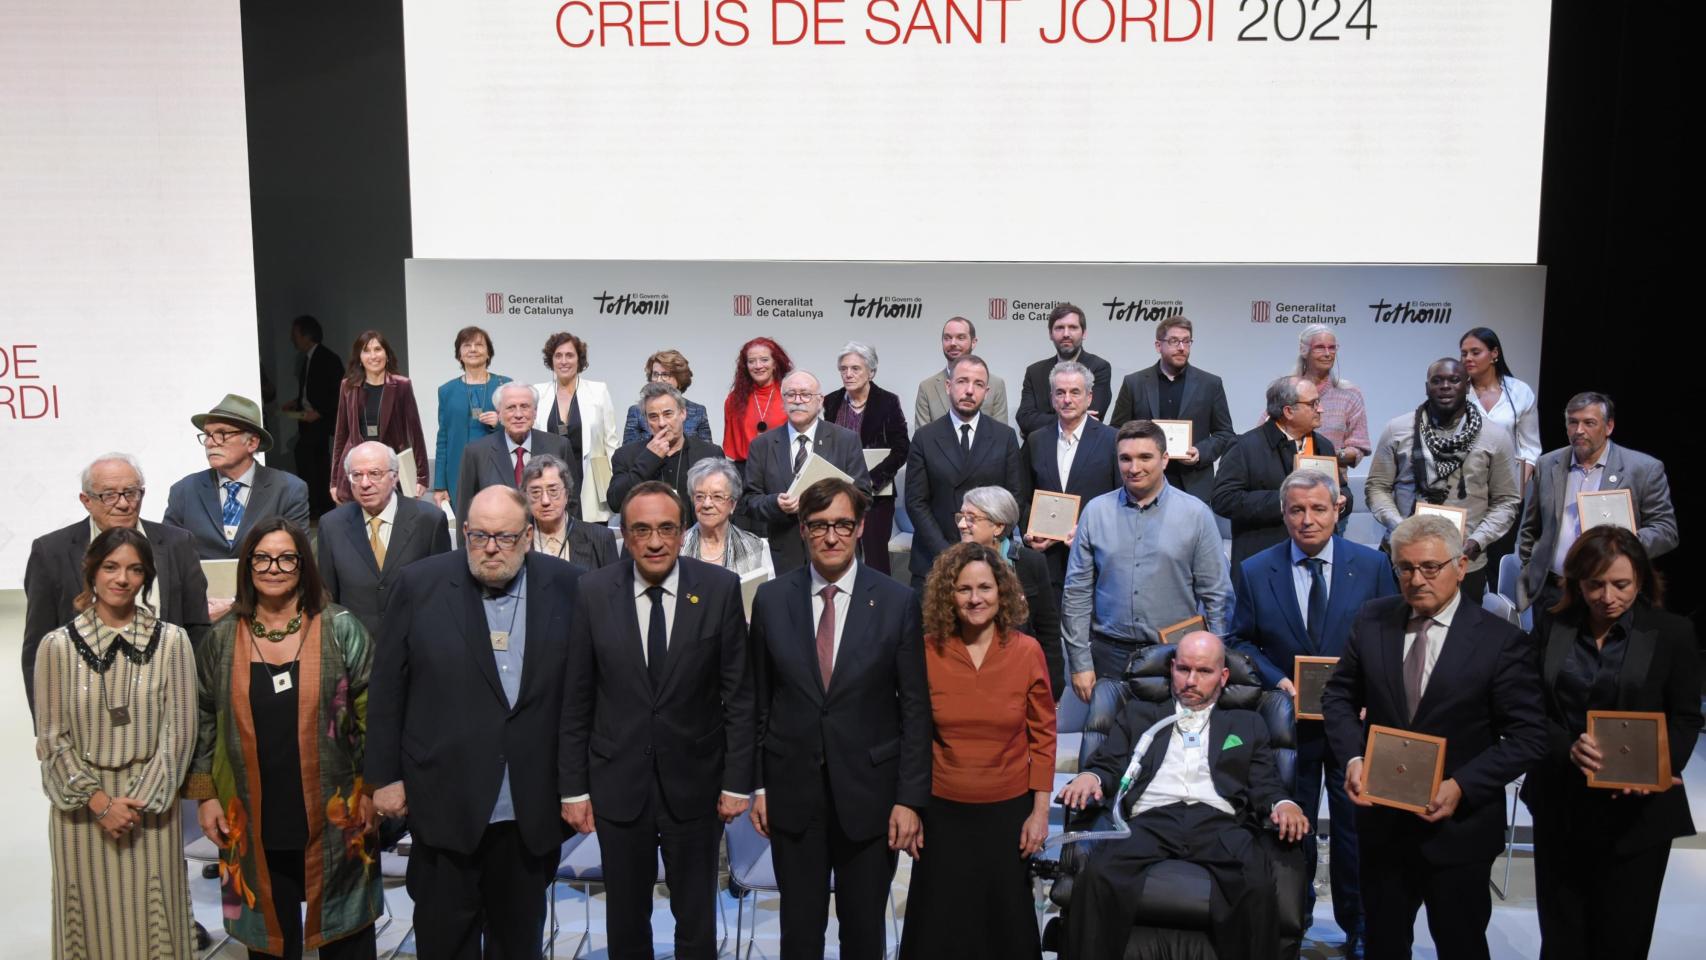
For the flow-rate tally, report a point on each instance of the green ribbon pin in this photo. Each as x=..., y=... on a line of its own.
x=1232, y=740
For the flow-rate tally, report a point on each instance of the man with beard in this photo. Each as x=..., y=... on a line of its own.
x=959, y=339
x=1172, y=389
x=462, y=718
x=1207, y=783
x=1439, y=454
x=1066, y=329
x=776, y=457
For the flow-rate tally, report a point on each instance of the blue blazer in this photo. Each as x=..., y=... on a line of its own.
x=1267, y=622
x=695, y=423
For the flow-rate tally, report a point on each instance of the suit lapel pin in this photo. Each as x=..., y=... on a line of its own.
x=870, y=603
x=1612, y=478
x=693, y=598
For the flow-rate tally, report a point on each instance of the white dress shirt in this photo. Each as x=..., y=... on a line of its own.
x=1066, y=448
x=387, y=520
x=643, y=607
x=971, y=438
x=843, y=601
x=1436, y=636
x=810, y=433
x=1184, y=775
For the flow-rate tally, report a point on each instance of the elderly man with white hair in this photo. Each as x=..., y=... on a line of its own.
x=53, y=577
x=500, y=459
x=777, y=457
x=363, y=543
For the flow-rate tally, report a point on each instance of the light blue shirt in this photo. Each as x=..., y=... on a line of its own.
x=1136, y=570
x=1300, y=575
x=1581, y=478
x=508, y=613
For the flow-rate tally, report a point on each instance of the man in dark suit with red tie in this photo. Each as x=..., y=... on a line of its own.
x=843, y=761
x=656, y=748
x=1427, y=662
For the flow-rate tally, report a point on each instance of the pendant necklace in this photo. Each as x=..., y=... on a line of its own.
x=763, y=408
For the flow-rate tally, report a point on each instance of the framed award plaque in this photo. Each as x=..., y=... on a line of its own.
x=1326, y=466
x=1177, y=631
x=1456, y=515
x=1402, y=769
x=1635, y=750
x=1178, y=435
x=1309, y=676
x=1598, y=508
x=1053, y=515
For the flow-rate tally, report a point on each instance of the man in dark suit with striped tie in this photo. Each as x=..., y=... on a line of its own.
x=843, y=764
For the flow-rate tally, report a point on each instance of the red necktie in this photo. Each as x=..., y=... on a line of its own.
x=826, y=635
x=520, y=452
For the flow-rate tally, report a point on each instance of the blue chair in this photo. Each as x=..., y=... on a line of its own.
x=1070, y=714
x=1507, y=581
x=751, y=871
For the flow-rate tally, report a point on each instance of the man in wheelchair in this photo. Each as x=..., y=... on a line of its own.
x=1207, y=782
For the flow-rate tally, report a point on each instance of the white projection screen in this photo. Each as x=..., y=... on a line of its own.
x=127, y=294
x=1280, y=131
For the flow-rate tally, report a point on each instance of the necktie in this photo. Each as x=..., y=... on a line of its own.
x=826, y=635
x=800, y=454
x=373, y=540
x=1317, y=599
x=232, y=514
x=1414, y=662
x=657, y=637
x=520, y=463
x=965, y=438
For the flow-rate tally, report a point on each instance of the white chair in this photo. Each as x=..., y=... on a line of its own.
x=1500, y=606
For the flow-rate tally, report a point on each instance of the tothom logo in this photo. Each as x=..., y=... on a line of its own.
x=494, y=303
x=743, y=305
x=1143, y=311
x=1412, y=311
x=1261, y=311
x=632, y=304
x=884, y=308
x=997, y=308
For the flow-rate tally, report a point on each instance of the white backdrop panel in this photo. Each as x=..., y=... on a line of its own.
x=126, y=270
x=1391, y=320
x=1299, y=131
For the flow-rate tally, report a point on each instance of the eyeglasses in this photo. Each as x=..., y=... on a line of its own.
x=662, y=376
x=706, y=498
x=643, y=532
x=357, y=476
x=971, y=518
x=1429, y=568
x=219, y=437
x=1308, y=403
x=283, y=563
x=480, y=539
x=799, y=396
x=555, y=491
x=1177, y=342
x=818, y=529
x=111, y=497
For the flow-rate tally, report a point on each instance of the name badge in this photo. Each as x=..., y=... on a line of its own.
x=281, y=683
x=372, y=430
x=230, y=533
x=500, y=640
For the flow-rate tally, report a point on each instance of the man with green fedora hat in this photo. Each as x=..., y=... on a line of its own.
x=218, y=506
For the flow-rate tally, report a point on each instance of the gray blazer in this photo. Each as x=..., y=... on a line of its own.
x=1543, y=511
x=770, y=471
x=53, y=577
x=193, y=506
x=486, y=463
x=353, y=578
x=932, y=402
x=1489, y=479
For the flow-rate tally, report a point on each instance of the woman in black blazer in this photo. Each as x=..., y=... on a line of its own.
x=990, y=516
x=875, y=415
x=1600, y=855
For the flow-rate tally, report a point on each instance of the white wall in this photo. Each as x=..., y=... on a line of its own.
x=125, y=262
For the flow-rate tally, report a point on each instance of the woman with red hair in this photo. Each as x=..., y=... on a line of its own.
x=754, y=404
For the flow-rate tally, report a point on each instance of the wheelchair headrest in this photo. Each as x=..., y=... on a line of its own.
x=1149, y=675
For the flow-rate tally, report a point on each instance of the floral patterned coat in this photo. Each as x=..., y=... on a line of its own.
x=344, y=893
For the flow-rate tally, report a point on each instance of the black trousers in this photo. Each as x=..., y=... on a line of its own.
x=863, y=870
x=314, y=463
x=496, y=894
x=1110, y=656
x=1396, y=882
x=630, y=851
x=1105, y=897
x=286, y=869
x=1317, y=765
x=1594, y=904
x=879, y=526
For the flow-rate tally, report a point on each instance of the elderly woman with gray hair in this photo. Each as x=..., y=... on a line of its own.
x=716, y=486
x=1344, y=417
x=990, y=515
x=876, y=416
